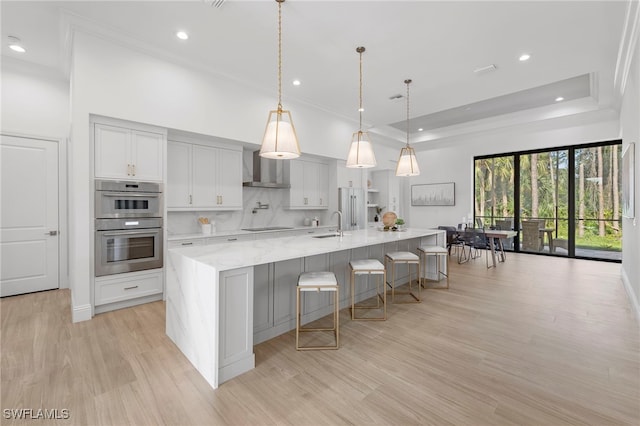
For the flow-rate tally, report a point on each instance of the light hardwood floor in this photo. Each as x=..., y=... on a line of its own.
x=537, y=340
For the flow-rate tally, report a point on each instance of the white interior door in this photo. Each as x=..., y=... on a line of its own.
x=28, y=215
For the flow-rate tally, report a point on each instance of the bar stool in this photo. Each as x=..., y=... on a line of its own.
x=368, y=267
x=438, y=252
x=407, y=258
x=317, y=281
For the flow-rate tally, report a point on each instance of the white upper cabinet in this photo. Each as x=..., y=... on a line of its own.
x=230, y=178
x=309, y=182
x=127, y=154
x=202, y=177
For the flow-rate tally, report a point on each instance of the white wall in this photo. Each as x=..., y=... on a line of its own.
x=35, y=101
x=455, y=163
x=630, y=132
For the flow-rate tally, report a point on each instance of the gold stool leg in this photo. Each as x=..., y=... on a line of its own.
x=378, y=296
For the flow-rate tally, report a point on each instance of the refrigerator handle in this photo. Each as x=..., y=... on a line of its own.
x=353, y=210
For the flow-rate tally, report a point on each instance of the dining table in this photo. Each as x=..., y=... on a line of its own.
x=498, y=235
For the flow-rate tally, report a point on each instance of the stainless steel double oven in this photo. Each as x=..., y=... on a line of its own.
x=128, y=223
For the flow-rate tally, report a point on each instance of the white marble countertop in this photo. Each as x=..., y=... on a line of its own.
x=241, y=254
x=175, y=237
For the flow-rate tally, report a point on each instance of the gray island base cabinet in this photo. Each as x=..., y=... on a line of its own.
x=222, y=299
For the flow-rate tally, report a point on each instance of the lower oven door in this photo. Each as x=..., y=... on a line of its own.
x=128, y=250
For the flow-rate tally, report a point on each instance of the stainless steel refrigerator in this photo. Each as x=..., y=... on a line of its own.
x=351, y=203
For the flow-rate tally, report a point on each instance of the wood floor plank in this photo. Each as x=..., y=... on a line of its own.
x=536, y=340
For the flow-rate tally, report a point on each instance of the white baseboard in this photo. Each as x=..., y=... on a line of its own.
x=633, y=297
x=81, y=313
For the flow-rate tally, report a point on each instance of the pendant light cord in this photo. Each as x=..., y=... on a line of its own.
x=360, y=50
x=407, y=82
x=280, y=54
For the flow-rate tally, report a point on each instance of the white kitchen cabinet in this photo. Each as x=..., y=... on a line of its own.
x=129, y=289
x=187, y=242
x=262, y=298
x=285, y=275
x=127, y=154
x=202, y=177
x=236, y=323
x=309, y=182
x=230, y=238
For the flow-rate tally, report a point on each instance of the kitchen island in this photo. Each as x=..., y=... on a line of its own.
x=223, y=298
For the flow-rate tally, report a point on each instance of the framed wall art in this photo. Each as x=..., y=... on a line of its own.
x=433, y=194
x=628, y=181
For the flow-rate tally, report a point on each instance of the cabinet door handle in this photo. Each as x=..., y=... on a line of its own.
x=320, y=201
x=190, y=199
x=133, y=167
x=221, y=202
x=306, y=201
x=128, y=169
x=232, y=239
x=187, y=244
x=131, y=288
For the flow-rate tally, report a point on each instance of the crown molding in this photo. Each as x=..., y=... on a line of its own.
x=626, y=48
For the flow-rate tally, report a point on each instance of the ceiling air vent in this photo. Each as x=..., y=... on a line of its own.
x=215, y=3
x=484, y=70
x=394, y=97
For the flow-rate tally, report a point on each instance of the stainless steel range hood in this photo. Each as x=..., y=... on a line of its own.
x=267, y=173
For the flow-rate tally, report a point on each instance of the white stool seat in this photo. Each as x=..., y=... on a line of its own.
x=434, y=250
x=367, y=266
x=314, y=281
x=403, y=256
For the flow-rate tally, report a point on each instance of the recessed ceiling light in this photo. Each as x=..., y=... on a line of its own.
x=182, y=35
x=559, y=98
x=15, y=45
x=524, y=57
x=296, y=82
x=420, y=129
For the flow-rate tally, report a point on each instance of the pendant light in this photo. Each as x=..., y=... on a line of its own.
x=361, y=154
x=407, y=163
x=280, y=140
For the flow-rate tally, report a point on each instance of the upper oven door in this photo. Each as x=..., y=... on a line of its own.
x=127, y=204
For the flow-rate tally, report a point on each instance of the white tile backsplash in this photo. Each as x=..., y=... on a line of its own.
x=275, y=215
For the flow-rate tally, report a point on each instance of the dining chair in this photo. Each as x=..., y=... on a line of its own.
x=505, y=225
x=453, y=238
x=531, y=235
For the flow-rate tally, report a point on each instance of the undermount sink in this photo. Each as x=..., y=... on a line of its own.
x=267, y=228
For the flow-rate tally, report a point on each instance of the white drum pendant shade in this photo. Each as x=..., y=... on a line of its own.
x=361, y=152
x=280, y=140
x=407, y=163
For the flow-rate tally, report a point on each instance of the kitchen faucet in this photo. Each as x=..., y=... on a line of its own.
x=339, y=221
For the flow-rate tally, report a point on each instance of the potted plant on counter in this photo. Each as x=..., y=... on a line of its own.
x=399, y=223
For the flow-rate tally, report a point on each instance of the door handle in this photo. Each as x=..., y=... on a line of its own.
x=52, y=233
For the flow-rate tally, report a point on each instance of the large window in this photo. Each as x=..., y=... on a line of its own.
x=565, y=201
